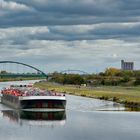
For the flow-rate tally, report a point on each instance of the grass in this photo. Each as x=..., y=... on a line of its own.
x=130, y=96
x=19, y=79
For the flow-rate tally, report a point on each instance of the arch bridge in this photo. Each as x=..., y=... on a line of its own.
x=74, y=71
x=40, y=72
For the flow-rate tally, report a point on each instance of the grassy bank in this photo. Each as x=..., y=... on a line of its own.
x=130, y=96
x=18, y=79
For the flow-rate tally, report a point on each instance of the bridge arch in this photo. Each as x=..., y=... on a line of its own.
x=15, y=62
x=71, y=70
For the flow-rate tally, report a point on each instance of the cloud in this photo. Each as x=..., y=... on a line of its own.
x=22, y=35
x=68, y=12
x=88, y=55
x=83, y=34
x=13, y=6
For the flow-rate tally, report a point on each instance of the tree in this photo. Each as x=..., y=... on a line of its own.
x=137, y=82
x=128, y=73
x=112, y=71
x=3, y=72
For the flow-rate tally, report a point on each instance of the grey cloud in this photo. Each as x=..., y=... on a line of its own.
x=105, y=31
x=21, y=36
x=92, y=54
x=71, y=12
x=130, y=5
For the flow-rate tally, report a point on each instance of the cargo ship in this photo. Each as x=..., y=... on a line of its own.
x=27, y=97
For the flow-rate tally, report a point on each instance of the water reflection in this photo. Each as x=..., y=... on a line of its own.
x=36, y=118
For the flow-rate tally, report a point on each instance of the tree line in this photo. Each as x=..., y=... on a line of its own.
x=111, y=76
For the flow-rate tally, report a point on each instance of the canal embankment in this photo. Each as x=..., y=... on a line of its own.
x=20, y=79
x=129, y=96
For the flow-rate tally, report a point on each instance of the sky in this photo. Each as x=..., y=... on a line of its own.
x=56, y=35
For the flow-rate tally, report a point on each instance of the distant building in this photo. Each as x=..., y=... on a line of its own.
x=127, y=65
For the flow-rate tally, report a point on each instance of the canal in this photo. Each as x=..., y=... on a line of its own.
x=84, y=119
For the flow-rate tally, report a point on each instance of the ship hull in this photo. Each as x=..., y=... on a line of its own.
x=34, y=102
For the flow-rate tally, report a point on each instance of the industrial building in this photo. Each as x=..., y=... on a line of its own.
x=127, y=65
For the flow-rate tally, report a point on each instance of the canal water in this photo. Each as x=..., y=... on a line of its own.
x=84, y=119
